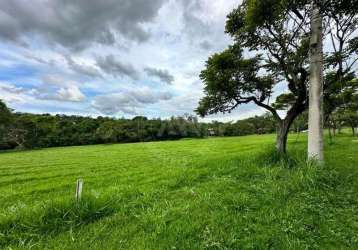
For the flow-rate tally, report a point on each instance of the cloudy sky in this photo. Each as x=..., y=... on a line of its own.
x=111, y=57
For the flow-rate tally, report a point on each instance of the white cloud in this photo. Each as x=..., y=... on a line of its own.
x=54, y=87
x=10, y=88
x=12, y=94
x=71, y=93
x=128, y=101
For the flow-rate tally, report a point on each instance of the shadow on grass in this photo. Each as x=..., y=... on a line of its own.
x=53, y=218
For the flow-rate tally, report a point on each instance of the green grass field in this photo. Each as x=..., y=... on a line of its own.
x=217, y=193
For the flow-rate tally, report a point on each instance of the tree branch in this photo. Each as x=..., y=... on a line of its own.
x=269, y=108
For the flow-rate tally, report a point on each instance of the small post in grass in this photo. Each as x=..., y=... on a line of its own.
x=79, y=186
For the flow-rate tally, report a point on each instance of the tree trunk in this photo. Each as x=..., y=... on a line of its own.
x=281, y=139
x=315, y=115
x=330, y=131
x=353, y=131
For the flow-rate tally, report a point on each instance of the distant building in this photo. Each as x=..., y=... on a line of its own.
x=211, y=132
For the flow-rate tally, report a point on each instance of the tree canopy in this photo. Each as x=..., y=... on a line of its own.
x=44, y=130
x=271, y=49
x=5, y=117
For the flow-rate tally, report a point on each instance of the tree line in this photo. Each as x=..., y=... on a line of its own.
x=24, y=130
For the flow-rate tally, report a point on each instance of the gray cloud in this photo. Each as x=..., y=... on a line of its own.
x=148, y=96
x=77, y=23
x=113, y=67
x=193, y=25
x=205, y=45
x=162, y=74
x=128, y=101
x=114, y=103
x=107, y=37
x=82, y=69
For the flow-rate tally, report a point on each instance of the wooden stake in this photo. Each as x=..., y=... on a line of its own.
x=79, y=186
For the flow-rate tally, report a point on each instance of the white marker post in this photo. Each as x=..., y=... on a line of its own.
x=79, y=186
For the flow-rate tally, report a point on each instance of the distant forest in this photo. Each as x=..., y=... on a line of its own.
x=23, y=130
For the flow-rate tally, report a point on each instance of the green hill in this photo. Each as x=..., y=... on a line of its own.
x=217, y=193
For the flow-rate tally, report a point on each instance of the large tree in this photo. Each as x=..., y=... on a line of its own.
x=5, y=117
x=347, y=113
x=271, y=48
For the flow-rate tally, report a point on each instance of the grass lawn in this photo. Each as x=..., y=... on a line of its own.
x=217, y=193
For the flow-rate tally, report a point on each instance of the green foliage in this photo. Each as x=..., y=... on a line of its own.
x=339, y=7
x=280, y=43
x=40, y=131
x=301, y=122
x=5, y=113
x=284, y=101
x=259, y=11
x=339, y=91
x=341, y=101
x=230, y=80
x=277, y=33
x=347, y=115
x=5, y=118
x=221, y=193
